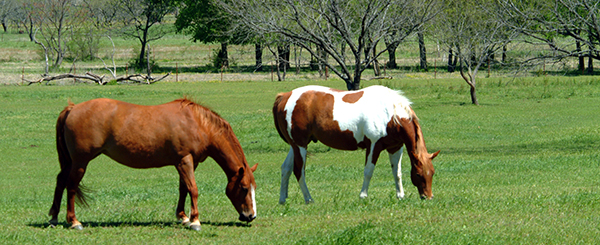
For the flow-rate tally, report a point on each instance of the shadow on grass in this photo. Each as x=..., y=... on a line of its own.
x=156, y=224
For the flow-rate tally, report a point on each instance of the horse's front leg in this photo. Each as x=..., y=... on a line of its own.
x=372, y=155
x=286, y=172
x=395, y=159
x=186, y=174
x=180, y=212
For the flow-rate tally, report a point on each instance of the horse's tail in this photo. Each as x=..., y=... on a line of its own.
x=64, y=158
x=276, y=112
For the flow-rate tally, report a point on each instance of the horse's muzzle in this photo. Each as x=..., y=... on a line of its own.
x=247, y=218
x=424, y=197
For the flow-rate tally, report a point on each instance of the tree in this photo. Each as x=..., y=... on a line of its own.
x=472, y=33
x=57, y=18
x=144, y=17
x=335, y=26
x=28, y=14
x=206, y=23
x=7, y=7
x=542, y=22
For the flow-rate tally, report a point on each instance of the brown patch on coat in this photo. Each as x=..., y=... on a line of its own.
x=353, y=97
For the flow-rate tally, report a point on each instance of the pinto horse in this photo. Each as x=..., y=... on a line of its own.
x=375, y=118
x=180, y=133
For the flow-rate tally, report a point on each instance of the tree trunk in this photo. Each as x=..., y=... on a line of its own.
x=224, y=56
x=451, y=65
x=258, y=52
x=581, y=64
x=504, y=54
x=30, y=29
x=283, y=53
x=141, y=61
x=590, y=69
x=471, y=82
x=376, y=69
x=322, y=56
x=4, y=25
x=354, y=83
x=474, y=96
x=422, y=51
x=391, y=47
x=297, y=58
x=454, y=62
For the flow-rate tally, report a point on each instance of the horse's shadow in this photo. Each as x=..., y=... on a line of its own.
x=160, y=224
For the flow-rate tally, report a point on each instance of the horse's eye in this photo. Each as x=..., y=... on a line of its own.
x=245, y=189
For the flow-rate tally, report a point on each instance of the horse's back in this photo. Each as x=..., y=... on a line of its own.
x=340, y=119
x=134, y=135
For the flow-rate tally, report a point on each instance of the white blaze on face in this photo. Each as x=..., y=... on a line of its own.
x=253, y=199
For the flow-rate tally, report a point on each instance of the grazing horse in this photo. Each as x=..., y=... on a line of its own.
x=180, y=133
x=375, y=118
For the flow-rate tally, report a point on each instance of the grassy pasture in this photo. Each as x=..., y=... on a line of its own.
x=521, y=168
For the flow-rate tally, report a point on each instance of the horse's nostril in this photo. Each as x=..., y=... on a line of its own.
x=246, y=218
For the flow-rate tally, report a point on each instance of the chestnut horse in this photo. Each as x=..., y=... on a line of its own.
x=180, y=133
x=375, y=118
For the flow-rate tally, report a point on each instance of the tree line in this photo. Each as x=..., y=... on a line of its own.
x=344, y=37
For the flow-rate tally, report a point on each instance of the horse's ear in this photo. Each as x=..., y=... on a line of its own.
x=434, y=155
x=253, y=168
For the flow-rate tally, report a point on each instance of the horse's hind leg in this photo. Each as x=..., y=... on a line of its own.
x=61, y=184
x=73, y=191
x=397, y=172
x=299, y=167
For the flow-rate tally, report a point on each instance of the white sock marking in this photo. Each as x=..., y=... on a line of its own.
x=252, y=188
x=369, y=168
x=395, y=160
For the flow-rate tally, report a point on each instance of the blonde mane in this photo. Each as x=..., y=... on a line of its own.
x=402, y=107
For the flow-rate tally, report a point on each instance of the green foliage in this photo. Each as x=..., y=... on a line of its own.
x=217, y=58
x=84, y=44
x=204, y=21
x=142, y=66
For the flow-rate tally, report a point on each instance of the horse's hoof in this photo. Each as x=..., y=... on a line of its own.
x=195, y=227
x=186, y=222
x=53, y=223
x=77, y=227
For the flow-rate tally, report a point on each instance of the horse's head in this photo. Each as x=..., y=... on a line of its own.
x=422, y=172
x=240, y=191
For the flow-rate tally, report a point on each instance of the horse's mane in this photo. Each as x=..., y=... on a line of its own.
x=207, y=115
x=402, y=107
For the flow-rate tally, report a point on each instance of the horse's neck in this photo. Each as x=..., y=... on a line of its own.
x=413, y=139
x=227, y=152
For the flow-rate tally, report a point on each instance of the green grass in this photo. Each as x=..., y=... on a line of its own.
x=521, y=168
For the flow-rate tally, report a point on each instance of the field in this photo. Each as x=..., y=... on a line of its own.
x=521, y=168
